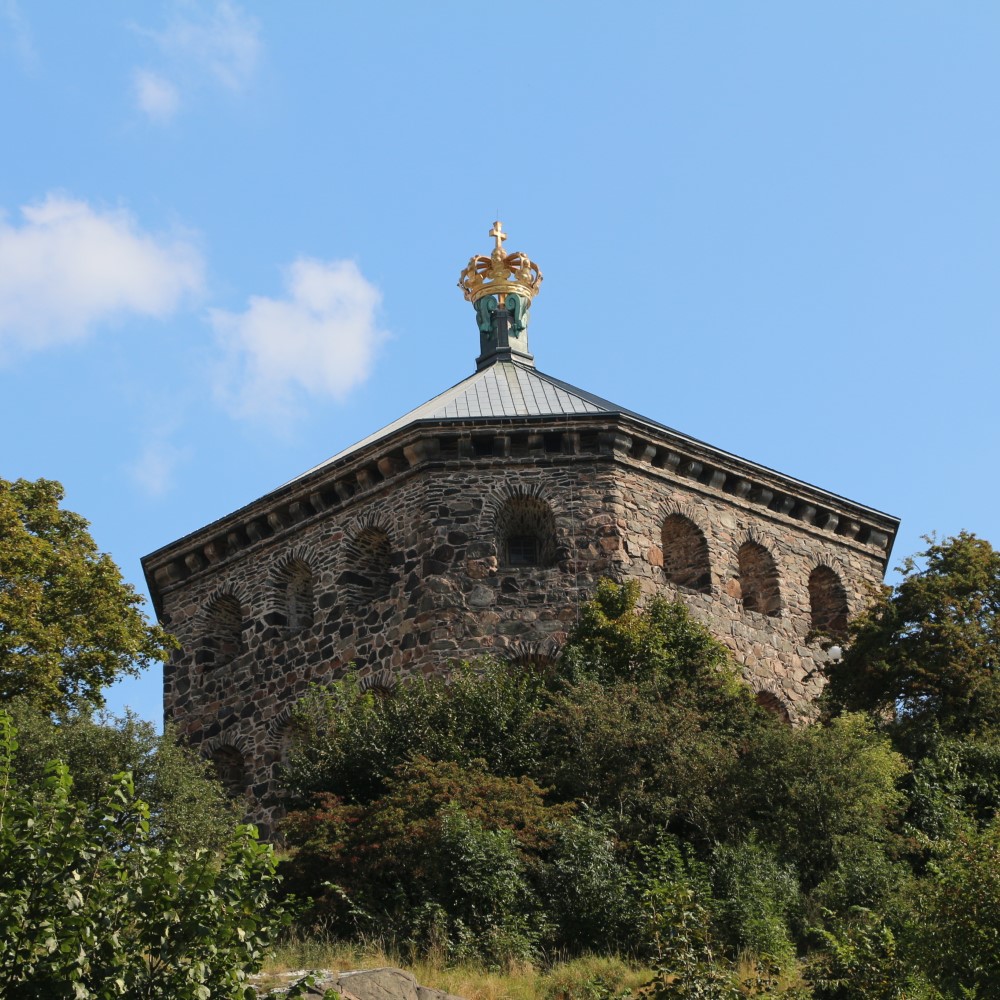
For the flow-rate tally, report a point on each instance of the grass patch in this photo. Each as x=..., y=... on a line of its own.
x=589, y=977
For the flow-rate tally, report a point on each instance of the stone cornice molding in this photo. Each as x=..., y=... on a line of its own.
x=512, y=442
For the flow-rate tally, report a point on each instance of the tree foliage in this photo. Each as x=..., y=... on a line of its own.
x=91, y=908
x=350, y=742
x=188, y=807
x=636, y=796
x=616, y=640
x=559, y=782
x=69, y=624
x=450, y=852
x=926, y=653
x=956, y=920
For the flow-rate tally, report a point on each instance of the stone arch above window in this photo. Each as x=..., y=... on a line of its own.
x=230, y=767
x=367, y=574
x=758, y=579
x=526, y=532
x=827, y=602
x=296, y=591
x=223, y=637
x=381, y=684
x=540, y=657
x=685, y=554
x=283, y=736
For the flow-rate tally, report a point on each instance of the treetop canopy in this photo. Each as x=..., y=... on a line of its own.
x=69, y=624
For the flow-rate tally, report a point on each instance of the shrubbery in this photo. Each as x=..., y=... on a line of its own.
x=91, y=906
x=123, y=872
x=635, y=797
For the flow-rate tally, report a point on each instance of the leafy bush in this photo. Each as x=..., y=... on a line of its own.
x=589, y=888
x=757, y=898
x=617, y=640
x=859, y=959
x=451, y=850
x=955, y=926
x=350, y=743
x=690, y=961
x=187, y=805
x=822, y=796
x=490, y=903
x=91, y=908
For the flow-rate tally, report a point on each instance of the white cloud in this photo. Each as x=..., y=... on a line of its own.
x=18, y=33
x=154, y=469
x=216, y=41
x=156, y=96
x=219, y=39
x=69, y=267
x=321, y=339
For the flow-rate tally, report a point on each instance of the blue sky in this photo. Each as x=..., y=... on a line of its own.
x=230, y=235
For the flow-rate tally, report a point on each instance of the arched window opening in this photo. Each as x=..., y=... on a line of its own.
x=685, y=554
x=369, y=576
x=522, y=550
x=231, y=770
x=296, y=585
x=223, y=640
x=772, y=703
x=827, y=602
x=758, y=579
x=526, y=533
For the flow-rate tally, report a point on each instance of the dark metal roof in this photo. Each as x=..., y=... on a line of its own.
x=504, y=389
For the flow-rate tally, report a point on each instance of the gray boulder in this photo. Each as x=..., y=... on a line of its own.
x=386, y=984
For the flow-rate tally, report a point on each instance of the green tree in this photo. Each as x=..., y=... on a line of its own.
x=615, y=639
x=926, y=653
x=955, y=780
x=92, y=909
x=350, y=742
x=188, y=807
x=956, y=921
x=69, y=624
x=826, y=798
x=650, y=719
x=654, y=754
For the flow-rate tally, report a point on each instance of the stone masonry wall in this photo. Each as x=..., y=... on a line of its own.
x=778, y=653
x=447, y=598
x=414, y=573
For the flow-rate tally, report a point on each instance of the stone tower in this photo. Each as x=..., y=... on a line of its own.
x=478, y=523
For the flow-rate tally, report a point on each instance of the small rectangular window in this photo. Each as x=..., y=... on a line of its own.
x=522, y=550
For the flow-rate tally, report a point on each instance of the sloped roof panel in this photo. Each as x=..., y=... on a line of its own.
x=504, y=389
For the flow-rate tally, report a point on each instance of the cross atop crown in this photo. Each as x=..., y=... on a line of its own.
x=497, y=233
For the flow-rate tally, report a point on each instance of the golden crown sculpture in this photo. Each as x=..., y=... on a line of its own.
x=500, y=274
